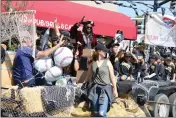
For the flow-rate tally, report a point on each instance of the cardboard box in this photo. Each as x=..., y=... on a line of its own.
x=88, y=52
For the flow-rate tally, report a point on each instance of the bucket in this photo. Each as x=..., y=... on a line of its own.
x=6, y=69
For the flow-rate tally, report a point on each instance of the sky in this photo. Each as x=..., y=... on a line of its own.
x=131, y=13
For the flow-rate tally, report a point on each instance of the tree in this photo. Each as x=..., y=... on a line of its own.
x=11, y=5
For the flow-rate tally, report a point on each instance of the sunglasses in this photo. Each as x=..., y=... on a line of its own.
x=89, y=27
x=97, y=70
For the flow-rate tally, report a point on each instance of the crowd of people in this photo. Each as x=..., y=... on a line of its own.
x=108, y=64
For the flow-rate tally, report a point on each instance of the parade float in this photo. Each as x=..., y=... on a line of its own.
x=60, y=100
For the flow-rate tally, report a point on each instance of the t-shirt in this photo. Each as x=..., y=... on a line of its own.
x=169, y=71
x=116, y=67
x=125, y=68
x=23, y=64
x=152, y=68
x=135, y=69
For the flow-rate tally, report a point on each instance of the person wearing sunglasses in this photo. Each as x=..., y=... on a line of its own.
x=103, y=88
x=86, y=37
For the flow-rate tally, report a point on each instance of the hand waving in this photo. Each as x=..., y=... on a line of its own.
x=61, y=41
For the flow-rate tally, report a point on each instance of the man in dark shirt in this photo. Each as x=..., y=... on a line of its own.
x=113, y=57
x=156, y=68
x=126, y=68
x=23, y=70
x=153, y=65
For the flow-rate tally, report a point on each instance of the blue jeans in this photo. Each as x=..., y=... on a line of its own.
x=99, y=110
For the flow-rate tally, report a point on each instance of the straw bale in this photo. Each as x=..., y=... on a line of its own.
x=7, y=94
x=124, y=108
x=31, y=98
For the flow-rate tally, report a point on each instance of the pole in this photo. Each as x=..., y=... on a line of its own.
x=163, y=2
x=155, y=5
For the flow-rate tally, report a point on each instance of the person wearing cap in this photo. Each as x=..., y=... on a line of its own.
x=117, y=38
x=103, y=82
x=125, y=68
x=155, y=68
x=86, y=37
x=136, y=66
x=59, y=33
x=169, y=69
x=114, y=57
x=153, y=64
x=102, y=40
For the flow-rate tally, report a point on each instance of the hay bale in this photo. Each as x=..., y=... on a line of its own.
x=117, y=110
x=120, y=109
x=6, y=94
x=31, y=98
x=79, y=112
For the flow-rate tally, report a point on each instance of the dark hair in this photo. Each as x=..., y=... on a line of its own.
x=85, y=29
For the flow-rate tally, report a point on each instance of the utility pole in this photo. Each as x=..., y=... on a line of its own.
x=155, y=5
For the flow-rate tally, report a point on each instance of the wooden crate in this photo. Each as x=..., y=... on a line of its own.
x=6, y=70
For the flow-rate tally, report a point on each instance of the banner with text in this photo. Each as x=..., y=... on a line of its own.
x=160, y=30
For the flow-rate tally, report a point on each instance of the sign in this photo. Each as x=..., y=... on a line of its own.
x=160, y=30
x=44, y=23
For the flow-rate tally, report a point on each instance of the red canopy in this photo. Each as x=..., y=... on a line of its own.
x=68, y=13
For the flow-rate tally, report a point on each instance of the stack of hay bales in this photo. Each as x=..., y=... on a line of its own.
x=31, y=102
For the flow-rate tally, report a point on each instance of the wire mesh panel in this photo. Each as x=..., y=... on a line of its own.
x=18, y=25
x=41, y=101
x=14, y=24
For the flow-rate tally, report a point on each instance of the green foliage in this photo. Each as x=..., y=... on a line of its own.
x=13, y=47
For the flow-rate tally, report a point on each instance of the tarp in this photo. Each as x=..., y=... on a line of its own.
x=68, y=13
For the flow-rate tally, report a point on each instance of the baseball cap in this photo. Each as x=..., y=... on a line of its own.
x=155, y=56
x=115, y=44
x=66, y=34
x=100, y=46
x=168, y=58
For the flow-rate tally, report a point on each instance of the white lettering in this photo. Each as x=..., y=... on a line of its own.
x=42, y=23
x=51, y=24
x=35, y=21
x=66, y=26
x=47, y=23
x=62, y=26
